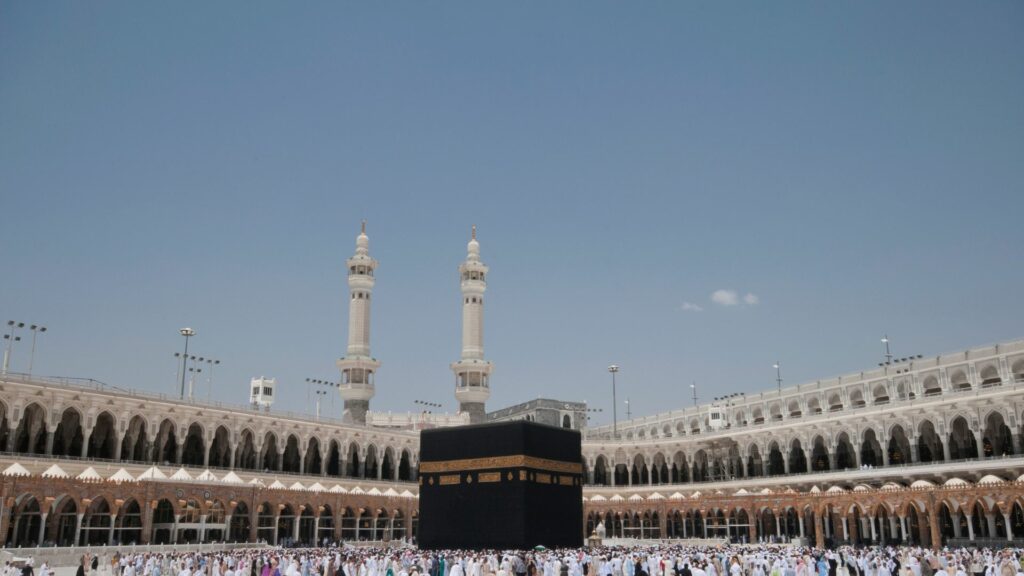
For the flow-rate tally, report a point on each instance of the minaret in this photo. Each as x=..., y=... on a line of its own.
x=358, y=367
x=472, y=372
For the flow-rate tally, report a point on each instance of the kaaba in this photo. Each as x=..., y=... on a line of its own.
x=506, y=485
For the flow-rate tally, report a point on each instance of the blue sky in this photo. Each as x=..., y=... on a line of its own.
x=856, y=167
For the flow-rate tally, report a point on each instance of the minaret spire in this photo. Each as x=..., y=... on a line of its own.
x=472, y=372
x=358, y=368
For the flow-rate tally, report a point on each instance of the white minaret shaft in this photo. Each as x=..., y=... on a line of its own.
x=358, y=367
x=472, y=372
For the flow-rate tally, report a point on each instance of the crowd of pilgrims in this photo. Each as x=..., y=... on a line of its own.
x=665, y=560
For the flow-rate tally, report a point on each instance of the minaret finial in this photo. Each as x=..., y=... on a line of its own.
x=363, y=230
x=474, y=231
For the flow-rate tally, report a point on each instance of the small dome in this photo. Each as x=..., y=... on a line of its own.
x=922, y=484
x=835, y=490
x=741, y=492
x=892, y=486
x=861, y=488
x=956, y=482
x=815, y=490
x=766, y=491
x=990, y=479
x=636, y=498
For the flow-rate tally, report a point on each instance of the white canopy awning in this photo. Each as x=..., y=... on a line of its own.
x=55, y=472
x=16, y=469
x=90, y=475
x=121, y=475
x=152, y=473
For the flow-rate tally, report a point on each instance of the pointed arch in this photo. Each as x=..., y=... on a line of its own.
x=103, y=438
x=68, y=438
x=246, y=457
x=134, y=446
x=30, y=436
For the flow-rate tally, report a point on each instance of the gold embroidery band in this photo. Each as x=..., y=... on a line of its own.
x=490, y=477
x=450, y=479
x=516, y=461
x=543, y=478
x=566, y=480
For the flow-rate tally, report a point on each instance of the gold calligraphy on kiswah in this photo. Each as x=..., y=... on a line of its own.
x=514, y=461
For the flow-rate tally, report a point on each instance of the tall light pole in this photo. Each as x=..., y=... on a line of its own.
x=187, y=333
x=693, y=386
x=210, y=363
x=615, y=408
x=629, y=414
x=778, y=375
x=195, y=370
x=32, y=357
x=320, y=392
x=11, y=339
x=888, y=354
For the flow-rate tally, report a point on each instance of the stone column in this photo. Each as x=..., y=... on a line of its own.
x=277, y=523
x=903, y=529
x=146, y=536
x=956, y=524
x=253, y=524
x=49, y=443
x=778, y=528
x=800, y=523
x=874, y=533
x=178, y=451
x=206, y=455
x=819, y=536
x=970, y=526
x=202, y=527
x=936, y=536
x=846, y=529
x=174, y=529
x=110, y=531
x=280, y=463
x=1009, y=527
x=78, y=528
x=914, y=457
x=991, y=518
x=945, y=450
x=118, y=441
x=42, y=528
x=296, y=521
x=86, y=436
x=11, y=434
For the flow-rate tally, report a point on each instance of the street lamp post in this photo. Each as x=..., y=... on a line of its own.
x=210, y=363
x=615, y=412
x=187, y=333
x=693, y=386
x=196, y=369
x=778, y=375
x=11, y=339
x=888, y=354
x=320, y=392
x=629, y=414
x=32, y=357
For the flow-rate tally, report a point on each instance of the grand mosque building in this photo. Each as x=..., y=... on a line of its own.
x=923, y=450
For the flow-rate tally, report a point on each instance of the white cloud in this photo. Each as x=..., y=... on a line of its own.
x=751, y=299
x=724, y=297
x=691, y=307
